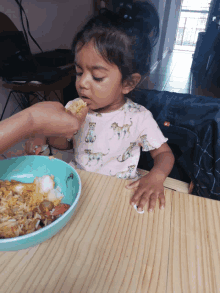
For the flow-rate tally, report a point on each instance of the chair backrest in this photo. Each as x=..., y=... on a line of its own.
x=6, y=25
x=13, y=48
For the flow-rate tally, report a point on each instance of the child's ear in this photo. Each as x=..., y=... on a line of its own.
x=130, y=83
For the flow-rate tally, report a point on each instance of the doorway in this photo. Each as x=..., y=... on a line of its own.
x=193, y=19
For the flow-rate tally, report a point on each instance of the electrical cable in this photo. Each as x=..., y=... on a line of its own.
x=27, y=23
x=25, y=34
x=28, y=27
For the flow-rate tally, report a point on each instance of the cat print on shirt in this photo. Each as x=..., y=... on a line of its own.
x=127, y=154
x=145, y=143
x=119, y=130
x=125, y=174
x=91, y=137
x=95, y=156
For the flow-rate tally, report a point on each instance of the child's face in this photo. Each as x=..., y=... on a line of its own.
x=98, y=83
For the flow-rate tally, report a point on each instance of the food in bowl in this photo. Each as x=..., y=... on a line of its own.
x=28, y=207
x=76, y=106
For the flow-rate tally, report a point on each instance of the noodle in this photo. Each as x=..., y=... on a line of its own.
x=27, y=207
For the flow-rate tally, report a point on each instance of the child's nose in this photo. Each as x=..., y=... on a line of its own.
x=84, y=81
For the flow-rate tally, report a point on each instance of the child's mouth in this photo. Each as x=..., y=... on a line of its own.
x=84, y=97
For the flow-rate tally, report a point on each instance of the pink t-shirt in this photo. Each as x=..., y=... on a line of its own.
x=109, y=143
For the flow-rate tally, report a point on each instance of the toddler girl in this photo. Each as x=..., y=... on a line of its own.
x=112, y=53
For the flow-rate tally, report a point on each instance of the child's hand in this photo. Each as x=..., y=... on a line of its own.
x=148, y=190
x=35, y=145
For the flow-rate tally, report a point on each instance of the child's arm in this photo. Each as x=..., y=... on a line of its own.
x=60, y=143
x=150, y=187
x=34, y=145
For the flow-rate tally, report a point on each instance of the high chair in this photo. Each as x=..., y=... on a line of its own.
x=192, y=125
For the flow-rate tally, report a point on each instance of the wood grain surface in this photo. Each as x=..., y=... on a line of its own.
x=108, y=247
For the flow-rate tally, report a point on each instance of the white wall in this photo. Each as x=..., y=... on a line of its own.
x=160, y=5
x=168, y=11
x=52, y=23
x=172, y=23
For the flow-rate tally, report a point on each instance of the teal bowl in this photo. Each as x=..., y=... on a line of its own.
x=25, y=169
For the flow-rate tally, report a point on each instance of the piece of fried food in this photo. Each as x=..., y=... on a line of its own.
x=76, y=106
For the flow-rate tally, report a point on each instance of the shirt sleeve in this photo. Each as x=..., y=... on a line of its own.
x=151, y=137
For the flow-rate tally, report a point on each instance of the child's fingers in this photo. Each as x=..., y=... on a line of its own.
x=152, y=202
x=143, y=201
x=27, y=147
x=136, y=197
x=31, y=148
x=162, y=201
x=133, y=184
x=38, y=150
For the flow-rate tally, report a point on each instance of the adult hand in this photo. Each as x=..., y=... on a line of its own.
x=51, y=119
x=44, y=119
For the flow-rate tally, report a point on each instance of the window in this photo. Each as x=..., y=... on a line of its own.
x=193, y=18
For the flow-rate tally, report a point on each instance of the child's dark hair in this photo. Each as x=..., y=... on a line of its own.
x=125, y=38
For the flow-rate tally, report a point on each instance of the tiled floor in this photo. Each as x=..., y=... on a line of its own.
x=173, y=73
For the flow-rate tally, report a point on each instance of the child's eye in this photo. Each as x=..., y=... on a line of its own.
x=78, y=73
x=98, y=79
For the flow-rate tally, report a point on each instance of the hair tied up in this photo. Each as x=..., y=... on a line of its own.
x=125, y=11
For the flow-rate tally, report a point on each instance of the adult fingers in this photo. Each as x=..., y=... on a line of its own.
x=76, y=121
x=82, y=115
x=51, y=119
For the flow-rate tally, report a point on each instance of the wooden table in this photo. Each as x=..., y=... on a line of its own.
x=108, y=247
